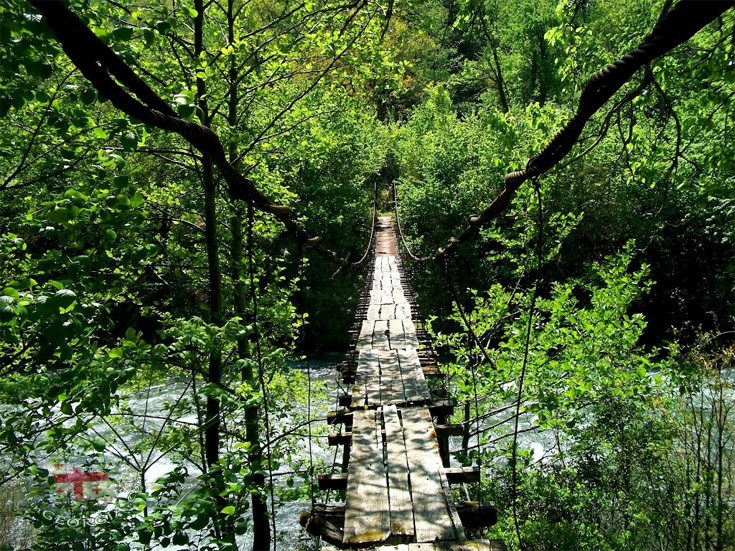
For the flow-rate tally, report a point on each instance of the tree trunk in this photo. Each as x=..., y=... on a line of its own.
x=222, y=523
x=261, y=526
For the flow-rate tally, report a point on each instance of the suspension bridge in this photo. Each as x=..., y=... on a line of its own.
x=395, y=474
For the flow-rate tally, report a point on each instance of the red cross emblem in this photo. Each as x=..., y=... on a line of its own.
x=78, y=478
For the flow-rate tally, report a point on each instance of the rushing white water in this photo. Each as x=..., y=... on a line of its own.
x=144, y=415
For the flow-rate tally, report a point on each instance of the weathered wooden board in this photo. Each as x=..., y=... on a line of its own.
x=365, y=339
x=381, y=297
x=410, y=388
x=417, y=373
x=414, y=381
x=391, y=383
x=396, y=333
x=372, y=390
x=404, y=495
x=380, y=334
x=388, y=311
x=367, y=516
x=403, y=311
x=366, y=389
x=431, y=512
x=410, y=330
x=453, y=514
x=373, y=312
x=401, y=509
x=476, y=545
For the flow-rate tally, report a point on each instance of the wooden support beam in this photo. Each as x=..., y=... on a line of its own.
x=460, y=475
x=327, y=520
x=441, y=407
x=344, y=415
x=337, y=438
x=444, y=431
x=332, y=481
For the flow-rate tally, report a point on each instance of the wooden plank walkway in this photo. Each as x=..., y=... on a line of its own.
x=397, y=490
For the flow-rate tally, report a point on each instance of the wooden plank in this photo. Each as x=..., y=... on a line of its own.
x=418, y=373
x=431, y=513
x=401, y=510
x=410, y=330
x=388, y=311
x=461, y=475
x=380, y=337
x=367, y=517
x=410, y=388
x=372, y=391
x=373, y=312
x=332, y=481
x=365, y=339
x=391, y=384
x=403, y=311
x=387, y=284
x=458, y=528
x=380, y=297
x=367, y=370
x=397, y=336
x=414, y=382
x=476, y=545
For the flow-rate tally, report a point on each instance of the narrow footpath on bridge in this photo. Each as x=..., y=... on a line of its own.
x=395, y=473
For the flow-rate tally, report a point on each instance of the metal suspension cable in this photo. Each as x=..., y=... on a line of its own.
x=369, y=249
x=400, y=230
x=308, y=394
x=681, y=23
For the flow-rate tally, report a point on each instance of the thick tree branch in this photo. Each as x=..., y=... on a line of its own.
x=99, y=64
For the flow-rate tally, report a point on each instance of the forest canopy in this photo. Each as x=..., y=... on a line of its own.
x=180, y=180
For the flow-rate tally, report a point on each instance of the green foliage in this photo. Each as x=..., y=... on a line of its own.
x=125, y=270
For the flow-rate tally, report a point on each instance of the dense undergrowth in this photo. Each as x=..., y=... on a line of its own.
x=125, y=267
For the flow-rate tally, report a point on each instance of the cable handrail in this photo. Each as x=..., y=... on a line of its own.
x=370, y=247
x=400, y=230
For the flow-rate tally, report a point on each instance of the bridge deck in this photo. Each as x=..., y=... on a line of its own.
x=396, y=489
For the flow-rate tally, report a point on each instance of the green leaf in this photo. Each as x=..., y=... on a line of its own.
x=181, y=538
x=229, y=510
x=137, y=199
x=129, y=141
x=64, y=298
x=7, y=313
x=10, y=292
x=201, y=521
x=88, y=96
x=163, y=26
x=185, y=111
x=123, y=33
x=59, y=215
x=144, y=536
